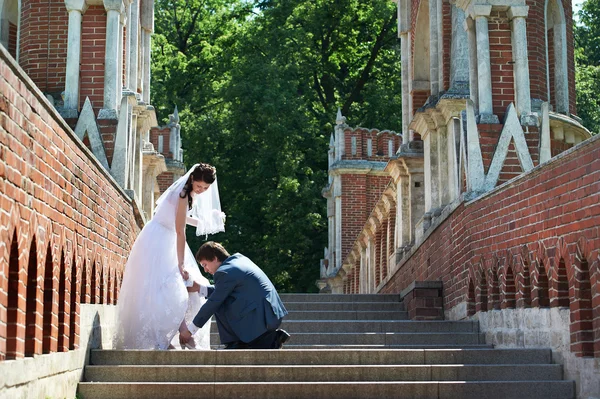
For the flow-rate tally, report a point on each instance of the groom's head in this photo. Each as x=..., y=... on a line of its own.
x=210, y=255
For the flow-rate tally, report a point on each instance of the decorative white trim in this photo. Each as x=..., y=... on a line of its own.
x=512, y=129
x=87, y=124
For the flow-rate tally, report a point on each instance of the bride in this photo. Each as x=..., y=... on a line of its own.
x=153, y=301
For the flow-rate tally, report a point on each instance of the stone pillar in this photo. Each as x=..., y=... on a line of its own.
x=459, y=62
x=403, y=204
x=76, y=8
x=137, y=166
x=432, y=170
x=443, y=166
x=434, y=67
x=484, y=70
x=522, y=84
x=127, y=51
x=132, y=37
x=123, y=23
x=406, y=111
x=473, y=73
x=146, y=35
x=111, y=59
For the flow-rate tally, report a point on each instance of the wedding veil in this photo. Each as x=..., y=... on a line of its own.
x=206, y=213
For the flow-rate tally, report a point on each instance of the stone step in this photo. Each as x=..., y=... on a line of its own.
x=323, y=356
x=340, y=298
x=344, y=306
x=444, y=346
x=332, y=373
x=362, y=326
x=375, y=338
x=332, y=390
x=346, y=315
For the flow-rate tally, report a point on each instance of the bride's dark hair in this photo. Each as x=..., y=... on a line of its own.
x=203, y=172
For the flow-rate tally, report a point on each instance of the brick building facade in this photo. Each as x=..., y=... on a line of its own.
x=490, y=206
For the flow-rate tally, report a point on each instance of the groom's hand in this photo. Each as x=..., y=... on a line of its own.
x=185, y=336
x=194, y=288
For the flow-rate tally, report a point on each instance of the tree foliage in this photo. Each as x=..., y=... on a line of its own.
x=258, y=85
x=587, y=64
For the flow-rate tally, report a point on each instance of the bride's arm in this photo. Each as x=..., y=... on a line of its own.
x=180, y=228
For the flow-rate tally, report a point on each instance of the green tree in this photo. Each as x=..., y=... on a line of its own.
x=587, y=64
x=258, y=86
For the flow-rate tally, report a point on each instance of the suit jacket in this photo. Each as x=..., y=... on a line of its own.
x=244, y=295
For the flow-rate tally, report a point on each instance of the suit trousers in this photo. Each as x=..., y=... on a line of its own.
x=228, y=336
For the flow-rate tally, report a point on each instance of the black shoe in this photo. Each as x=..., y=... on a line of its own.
x=236, y=345
x=282, y=337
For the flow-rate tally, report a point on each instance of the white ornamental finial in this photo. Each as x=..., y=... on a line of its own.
x=340, y=119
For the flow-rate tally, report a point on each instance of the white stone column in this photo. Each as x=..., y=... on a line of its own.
x=127, y=51
x=443, y=166
x=484, y=70
x=76, y=9
x=403, y=211
x=432, y=170
x=519, y=44
x=473, y=73
x=133, y=38
x=434, y=68
x=146, y=35
x=111, y=59
x=123, y=23
x=403, y=8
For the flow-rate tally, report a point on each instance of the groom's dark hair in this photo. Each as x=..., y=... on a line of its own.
x=211, y=250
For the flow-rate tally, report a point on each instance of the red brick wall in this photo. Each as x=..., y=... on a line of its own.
x=166, y=133
x=43, y=51
x=12, y=39
x=536, y=46
x=501, y=60
x=60, y=213
x=360, y=193
x=549, y=216
x=447, y=42
x=419, y=98
x=93, y=42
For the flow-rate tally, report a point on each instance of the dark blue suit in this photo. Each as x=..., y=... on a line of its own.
x=243, y=300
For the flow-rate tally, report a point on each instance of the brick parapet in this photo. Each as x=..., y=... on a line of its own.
x=528, y=225
x=63, y=218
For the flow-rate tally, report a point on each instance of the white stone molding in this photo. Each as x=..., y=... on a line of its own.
x=475, y=170
x=472, y=42
x=112, y=86
x=545, y=146
x=517, y=14
x=512, y=129
x=76, y=9
x=133, y=38
x=340, y=125
x=459, y=60
x=434, y=60
x=480, y=14
x=554, y=17
x=87, y=124
x=122, y=152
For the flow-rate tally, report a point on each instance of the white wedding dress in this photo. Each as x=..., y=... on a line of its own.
x=153, y=300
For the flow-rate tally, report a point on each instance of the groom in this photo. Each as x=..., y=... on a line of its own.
x=246, y=305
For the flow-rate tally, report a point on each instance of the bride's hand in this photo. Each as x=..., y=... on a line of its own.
x=184, y=273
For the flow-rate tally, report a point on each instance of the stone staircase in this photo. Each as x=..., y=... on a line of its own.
x=342, y=346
